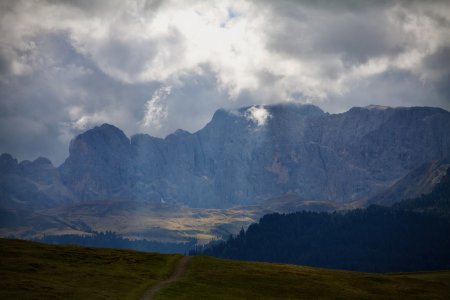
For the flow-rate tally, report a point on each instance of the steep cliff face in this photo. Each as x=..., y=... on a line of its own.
x=235, y=159
x=98, y=165
x=240, y=157
x=367, y=149
x=254, y=153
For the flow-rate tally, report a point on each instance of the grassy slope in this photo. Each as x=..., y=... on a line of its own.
x=210, y=278
x=37, y=271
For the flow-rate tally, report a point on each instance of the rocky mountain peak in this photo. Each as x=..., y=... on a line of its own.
x=260, y=115
x=97, y=167
x=178, y=133
x=100, y=139
x=42, y=161
x=8, y=164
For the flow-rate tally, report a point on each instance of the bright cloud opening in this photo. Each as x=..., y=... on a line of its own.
x=156, y=108
x=258, y=114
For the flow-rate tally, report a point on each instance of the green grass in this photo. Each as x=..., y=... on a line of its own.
x=210, y=278
x=37, y=271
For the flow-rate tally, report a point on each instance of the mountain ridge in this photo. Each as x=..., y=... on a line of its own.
x=254, y=153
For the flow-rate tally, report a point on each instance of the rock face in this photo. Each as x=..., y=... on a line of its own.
x=97, y=167
x=248, y=155
x=254, y=153
x=420, y=181
x=31, y=185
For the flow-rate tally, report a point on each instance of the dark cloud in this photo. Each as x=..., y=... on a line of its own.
x=355, y=38
x=391, y=88
x=438, y=61
x=41, y=109
x=359, y=38
x=292, y=7
x=99, y=8
x=443, y=88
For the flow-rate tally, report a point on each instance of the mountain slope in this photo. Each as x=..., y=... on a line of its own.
x=410, y=236
x=436, y=203
x=419, y=181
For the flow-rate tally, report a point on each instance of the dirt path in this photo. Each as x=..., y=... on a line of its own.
x=177, y=272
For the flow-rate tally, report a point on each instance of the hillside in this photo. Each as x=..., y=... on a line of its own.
x=38, y=271
x=416, y=183
x=210, y=278
x=410, y=236
x=31, y=270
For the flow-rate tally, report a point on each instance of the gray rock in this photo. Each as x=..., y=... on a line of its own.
x=248, y=155
x=98, y=165
x=31, y=185
x=420, y=181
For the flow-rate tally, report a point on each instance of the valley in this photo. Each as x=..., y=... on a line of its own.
x=156, y=222
x=209, y=184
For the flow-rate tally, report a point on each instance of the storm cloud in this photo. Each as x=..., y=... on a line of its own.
x=155, y=66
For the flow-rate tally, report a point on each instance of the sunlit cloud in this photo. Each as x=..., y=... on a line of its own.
x=113, y=60
x=258, y=114
x=156, y=109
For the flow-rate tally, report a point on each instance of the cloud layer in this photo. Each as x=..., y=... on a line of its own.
x=155, y=66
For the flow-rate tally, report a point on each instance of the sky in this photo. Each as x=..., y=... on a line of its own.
x=156, y=66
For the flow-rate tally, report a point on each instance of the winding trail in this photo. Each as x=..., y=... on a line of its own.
x=180, y=267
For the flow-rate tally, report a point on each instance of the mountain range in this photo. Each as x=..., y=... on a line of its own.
x=286, y=152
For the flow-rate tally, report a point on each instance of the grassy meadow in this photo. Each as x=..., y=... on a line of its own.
x=211, y=278
x=37, y=271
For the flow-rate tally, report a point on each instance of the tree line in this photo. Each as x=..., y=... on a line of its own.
x=111, y=239
x=412, y=235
